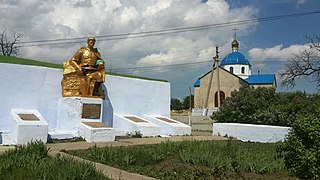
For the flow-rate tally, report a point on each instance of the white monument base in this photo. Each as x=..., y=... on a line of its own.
x=96, y=132
x=73, y=110
x=251, y=132
x=5, y=138
x=169, y=126
x=131, y=124
x=27, y=126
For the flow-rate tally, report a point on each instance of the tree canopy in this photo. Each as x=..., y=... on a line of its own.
x=265, y=106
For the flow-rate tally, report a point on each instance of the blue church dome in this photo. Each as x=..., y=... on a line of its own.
x=234, y=58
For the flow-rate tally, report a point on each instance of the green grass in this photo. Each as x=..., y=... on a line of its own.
x=33, y=162
x=193, y=159
x=15, y=60
x=136, y=77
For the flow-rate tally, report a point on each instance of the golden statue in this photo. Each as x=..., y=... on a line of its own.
x=84, y=73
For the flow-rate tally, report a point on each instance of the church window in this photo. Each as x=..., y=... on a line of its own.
x=242, y=70
x=231, y=69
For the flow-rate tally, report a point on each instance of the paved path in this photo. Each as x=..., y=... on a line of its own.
x=127, y=142
x=111, y=172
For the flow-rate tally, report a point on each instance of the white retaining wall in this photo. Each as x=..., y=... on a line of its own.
x=251, y=132
x=39, y=88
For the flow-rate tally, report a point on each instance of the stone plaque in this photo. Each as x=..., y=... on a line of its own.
x=29, y=117
x=135, y=119
x=91, y=111
x=166, y=120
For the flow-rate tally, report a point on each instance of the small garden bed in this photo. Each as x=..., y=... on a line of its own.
x=194, y=159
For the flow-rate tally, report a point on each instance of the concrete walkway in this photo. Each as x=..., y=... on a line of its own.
x=55, y=150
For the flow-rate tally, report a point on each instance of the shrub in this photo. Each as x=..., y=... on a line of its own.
x=301, y=150
x=264, y=106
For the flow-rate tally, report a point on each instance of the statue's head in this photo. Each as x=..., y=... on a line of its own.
x=91, y=41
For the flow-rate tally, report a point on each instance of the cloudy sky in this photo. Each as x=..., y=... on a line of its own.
x=135, y=34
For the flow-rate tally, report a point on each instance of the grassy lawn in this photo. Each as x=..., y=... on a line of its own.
x=194, y=160
x=33, y=162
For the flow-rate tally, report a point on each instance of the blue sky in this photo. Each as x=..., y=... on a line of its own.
x=267, y=45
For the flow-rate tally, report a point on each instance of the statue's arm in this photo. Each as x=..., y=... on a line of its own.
x=75, y=61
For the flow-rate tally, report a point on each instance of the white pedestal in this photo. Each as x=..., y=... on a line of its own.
x=124, y=126
x=27, y=126
x=97, y=132
x=70, y=112
x=169, y=126
x=81, y=116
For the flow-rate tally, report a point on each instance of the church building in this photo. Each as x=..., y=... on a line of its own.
x=233, y=72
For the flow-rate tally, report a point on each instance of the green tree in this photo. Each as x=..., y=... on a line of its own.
x=175, y=104
x=301, y=150
x=264, y=106
x=186, y=102
x=246, y=105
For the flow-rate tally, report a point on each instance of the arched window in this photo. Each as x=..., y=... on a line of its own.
x=222, y=97
x=231, y=69
x=242, y=70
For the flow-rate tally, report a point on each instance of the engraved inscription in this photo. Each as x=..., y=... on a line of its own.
x=91, y=111
x=29, y=117
x=166, y=119
x=135, y=119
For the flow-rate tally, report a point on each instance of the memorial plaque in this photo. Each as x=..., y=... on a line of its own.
x=166, y=119
x=29, y=117
x=91, y=111
x=96, y=124
x=135, y=119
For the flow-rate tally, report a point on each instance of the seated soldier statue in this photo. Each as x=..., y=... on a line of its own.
x=84, y=73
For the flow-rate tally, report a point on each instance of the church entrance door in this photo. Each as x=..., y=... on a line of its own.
x=222, y=97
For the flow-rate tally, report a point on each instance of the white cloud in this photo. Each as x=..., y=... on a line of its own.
x=300, y=2
x=277, y=52
x=56, y=19
x=157, y=7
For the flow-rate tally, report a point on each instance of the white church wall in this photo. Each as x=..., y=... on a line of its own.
x=34, y=87
x=237, y=70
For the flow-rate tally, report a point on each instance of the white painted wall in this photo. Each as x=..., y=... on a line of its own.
x=251, y=132
x=33, y=87
x=237, y=70
x=138, y=97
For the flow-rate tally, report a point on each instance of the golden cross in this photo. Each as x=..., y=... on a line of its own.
x=235, y=32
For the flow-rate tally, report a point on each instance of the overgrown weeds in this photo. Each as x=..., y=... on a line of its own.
x=32, y=161
x=190, y=159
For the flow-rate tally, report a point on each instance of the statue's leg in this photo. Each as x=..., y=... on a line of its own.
x=96, y=89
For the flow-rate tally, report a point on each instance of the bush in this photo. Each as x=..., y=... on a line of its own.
x=264, y=106
x=301, y=150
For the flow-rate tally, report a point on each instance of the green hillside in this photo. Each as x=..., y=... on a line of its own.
x=15, y=60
